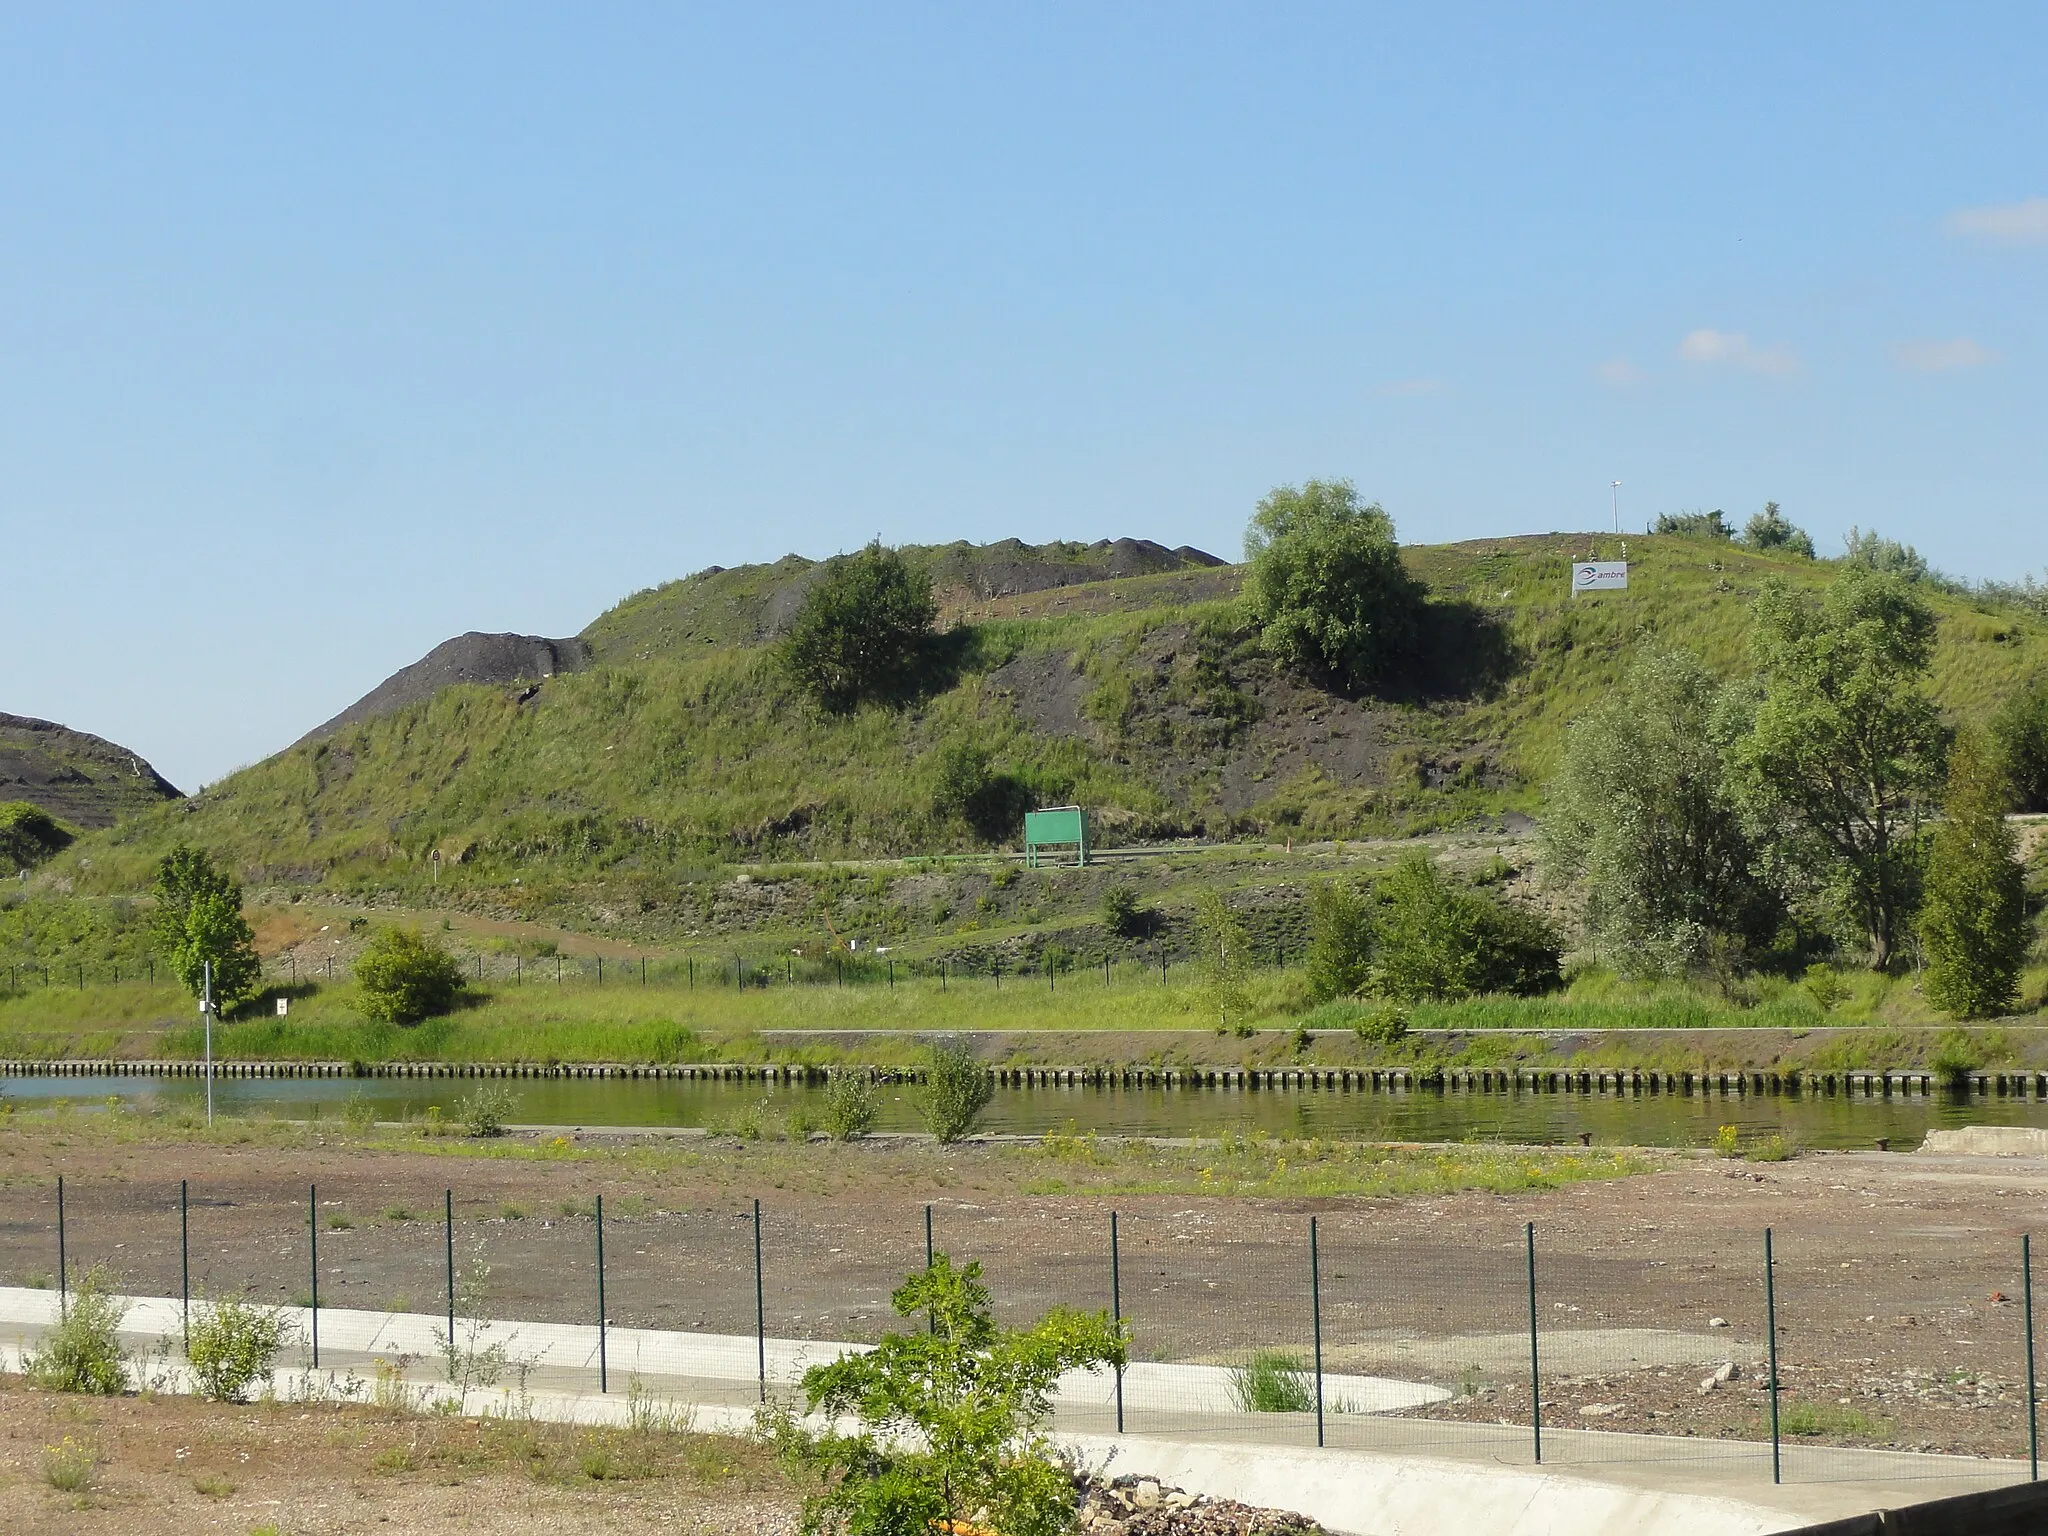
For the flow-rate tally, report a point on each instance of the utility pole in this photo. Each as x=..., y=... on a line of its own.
x=206, y=1011
x=1614, y=490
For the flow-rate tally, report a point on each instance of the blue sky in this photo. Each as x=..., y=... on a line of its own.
x=326, y=333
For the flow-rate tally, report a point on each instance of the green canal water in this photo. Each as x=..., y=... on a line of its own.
x=1807, y=1119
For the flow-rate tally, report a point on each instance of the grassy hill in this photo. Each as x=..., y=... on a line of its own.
x=617, y=798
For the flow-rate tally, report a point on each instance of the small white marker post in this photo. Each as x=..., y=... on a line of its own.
x=206, y=1011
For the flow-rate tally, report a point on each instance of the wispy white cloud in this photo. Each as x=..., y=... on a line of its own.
x=2022, y=223
x=1734, y=350
x=1413, y=387
x=1941, y=356
x=1619, y=372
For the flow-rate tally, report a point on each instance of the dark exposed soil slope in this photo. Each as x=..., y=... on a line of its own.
x=82, y=779
x=471, y=658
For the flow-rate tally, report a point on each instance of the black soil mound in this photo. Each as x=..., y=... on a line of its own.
x=81, y=779
x=494, y=660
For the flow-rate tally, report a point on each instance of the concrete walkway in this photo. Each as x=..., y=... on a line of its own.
x=1377, y=1475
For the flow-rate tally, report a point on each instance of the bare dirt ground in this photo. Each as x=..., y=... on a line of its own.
x=1897, y=1275
x=174, y=1465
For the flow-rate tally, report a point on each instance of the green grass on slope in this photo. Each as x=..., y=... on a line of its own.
x=683, y=749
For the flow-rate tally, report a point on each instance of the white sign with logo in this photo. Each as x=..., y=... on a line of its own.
x=1599, y=576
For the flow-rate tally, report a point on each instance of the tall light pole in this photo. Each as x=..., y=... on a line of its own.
x=1614, y=490
x=206, y=1009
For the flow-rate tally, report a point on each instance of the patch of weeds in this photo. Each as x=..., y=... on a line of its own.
x=397, y=1213
x=1798, y=1417
x=232, y=1344
x=1768, y=1149
x=339, y=1221
x=396, y=1458
x=1728, y=1142
x=68, y=1467
x=484, y=1111
x=212, y=1485
x=1273, y=1381
x=850, y=1106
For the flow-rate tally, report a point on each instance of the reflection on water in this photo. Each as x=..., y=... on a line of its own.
x=1421, y=1115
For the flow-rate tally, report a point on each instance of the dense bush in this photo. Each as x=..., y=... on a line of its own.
x=28, y=835
x=1123, y=914
x=231, y=1345
x=1694, y=525
x=1325, y=585
x=1770, y=529
x=957, y=1088
x=1340, y=920
x=850, y=1107
x=863, y=633
x=83, y=1352
x=1973, y=923
x=403, y=976
x=966, y=785
x=1439, y=940
x=2020, y=730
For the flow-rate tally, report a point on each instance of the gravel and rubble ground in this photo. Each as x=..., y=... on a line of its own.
x=1142, y=1506
x=1897, y=1275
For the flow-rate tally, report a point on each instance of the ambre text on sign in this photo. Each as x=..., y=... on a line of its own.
x=1599, y=576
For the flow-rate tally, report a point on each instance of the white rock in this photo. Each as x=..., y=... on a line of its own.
x=1727, y=1370
x=1599, y=1410
x=1147, y=1495
x=1717, y=1322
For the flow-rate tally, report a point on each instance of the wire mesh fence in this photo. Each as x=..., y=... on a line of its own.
x=1757, y=1354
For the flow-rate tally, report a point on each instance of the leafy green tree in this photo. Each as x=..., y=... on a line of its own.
x=1844, y=753
x=950, y=1417
x=1644, y=825
x=1123, y=914
x=1223, y=959
x=863, y=632
x=1973, y=923
x=1770, y=529
x=1340, y=923
x=965, y=784
x=1326, y=586
x=2020, y=732
x=1871, y=551
x=29, y=835
x=1438, y=940
x=402, y=976
x=198, y=920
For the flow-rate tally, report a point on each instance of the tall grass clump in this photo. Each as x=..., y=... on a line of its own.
x=83, y=1352
x=957, y=1089
x=1273, y=1381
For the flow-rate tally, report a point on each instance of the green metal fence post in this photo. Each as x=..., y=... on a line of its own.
x=2033, y=1398
x=1535, y=1370
x=448, y=1231
x=760, y=1308
x=1771, y=1322
x=1116, y=1309
x=313, y=1262
x=185, y=1260
x=1315, y=1295
x=63, y=1274
x=603, y=1372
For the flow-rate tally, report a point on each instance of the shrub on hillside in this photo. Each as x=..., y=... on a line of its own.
x=1123, y=914
x=403, y=976
x=1340, y=920
x=1771, y=530
x=29, y=835
x=2020, y=730
x=1973, y=920
x=1439, y=940
x=1694, y=525
x=863, y=633
x=965, y=784
x=1325, y=585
